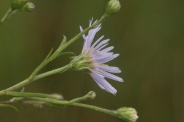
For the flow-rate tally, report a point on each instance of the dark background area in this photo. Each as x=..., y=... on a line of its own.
x=148, y=35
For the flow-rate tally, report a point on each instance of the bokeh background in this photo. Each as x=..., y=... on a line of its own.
x=148, y=34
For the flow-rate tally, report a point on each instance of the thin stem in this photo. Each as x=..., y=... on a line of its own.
x=37, y=77
x=90, y=95
x=7, y=15
x=42, y=65
x=61, y=103
x=52, y=72
x=95, y=108
x=27, y=94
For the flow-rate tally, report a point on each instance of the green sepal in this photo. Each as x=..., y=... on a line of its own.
x=9, y=106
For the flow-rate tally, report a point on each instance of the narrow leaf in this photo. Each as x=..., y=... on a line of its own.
x=9, y=106
x=64, y=40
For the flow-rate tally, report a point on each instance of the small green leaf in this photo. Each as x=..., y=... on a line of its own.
x=9, y=106
x=64, y=40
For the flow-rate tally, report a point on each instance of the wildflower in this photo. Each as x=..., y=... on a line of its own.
x=95, y=56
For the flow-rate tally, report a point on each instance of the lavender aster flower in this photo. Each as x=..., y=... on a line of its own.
x=96, y=55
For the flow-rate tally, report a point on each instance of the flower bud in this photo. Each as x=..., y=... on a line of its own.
x=113, y=6
x=18, y=4
x=22, y=5
x=28, y=6
x=91, y=94
x=127, y=114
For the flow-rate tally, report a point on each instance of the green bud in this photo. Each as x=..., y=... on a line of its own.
x=18, y=4
x=113, y=6
x=22, y=5
x=91, y=94
x=28, y=6
x=127, y=114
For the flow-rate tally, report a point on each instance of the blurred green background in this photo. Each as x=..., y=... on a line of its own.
x=148, y=34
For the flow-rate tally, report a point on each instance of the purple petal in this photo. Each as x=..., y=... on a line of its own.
x=106, y=59
x=103, y=83
x=100, y=56
x=110, y=69
x=107, y=49
x=110, y=76
x=91, y=35
x=81, y=29
x=90, y=22
x=102, y=43
x=101, y=47
x=97, y=41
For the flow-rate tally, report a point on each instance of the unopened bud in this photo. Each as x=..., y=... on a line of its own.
x=28, y=6
x=92, y=94
x=24, y=5
x=127, y=114
x=113, y=6
x=18, y=4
